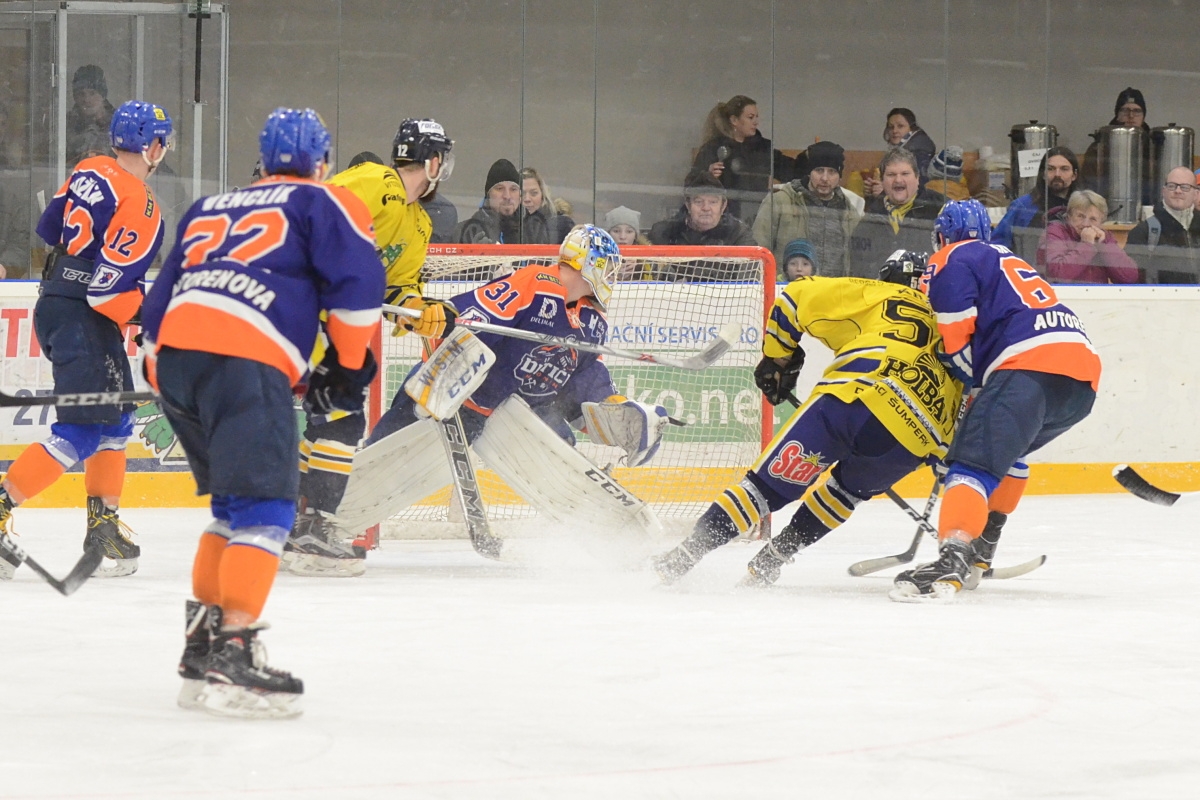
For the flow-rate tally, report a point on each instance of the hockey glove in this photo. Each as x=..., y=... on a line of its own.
x=333, y=387
x=775, y=380
x=437, y=317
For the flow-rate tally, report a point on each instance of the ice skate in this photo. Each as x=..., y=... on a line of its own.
x=8, y=561
x=984, y=549
x=938, y=581
x=763, y=569
x=240, y=684
x=674, y=564
x=316, y=548
x=195, y=654
x=110, y=535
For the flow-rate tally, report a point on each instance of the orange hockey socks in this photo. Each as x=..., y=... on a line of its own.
x=32, y=473
x=246, y=575
x=1007, y=495
x=964, y=513
x=104, y=476
x=206, y=569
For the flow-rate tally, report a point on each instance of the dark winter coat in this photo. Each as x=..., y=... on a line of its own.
x=874, y=240
x=1176, y=256
x=487, y=227
x=749, y=167
x=730, y=231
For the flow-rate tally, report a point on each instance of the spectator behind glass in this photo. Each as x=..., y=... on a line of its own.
x=625, y=226
x=901, y=130
x=1130, y=111
x=703, y=220
x=90, y=114
x=539, y=210
x=1167, y=245
x=1020, y=229
x=901, y=219
x=799, y=261
x=946, y=175
x=498, y=220
x=736, y=153
x=1079, y=250
x=814, y=207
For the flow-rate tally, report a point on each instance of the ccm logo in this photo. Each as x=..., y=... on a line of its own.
x=613, y=489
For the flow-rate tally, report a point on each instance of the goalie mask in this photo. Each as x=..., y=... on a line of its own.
x=593, y=252
x=903, y=267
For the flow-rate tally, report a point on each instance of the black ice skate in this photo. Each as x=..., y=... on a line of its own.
x=984, y=548
x=193, y=662
x=240, y=684
x=937, y=581
x=763, y=569
x=315, y=547
x=673, y=565
x=107, y=533
x=8, y=560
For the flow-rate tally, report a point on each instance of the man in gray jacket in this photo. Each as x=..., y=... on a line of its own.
x=815, y=208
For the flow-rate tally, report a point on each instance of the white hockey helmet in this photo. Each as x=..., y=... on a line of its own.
x=594, y=253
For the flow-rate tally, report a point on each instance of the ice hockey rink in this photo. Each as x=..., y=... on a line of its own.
x=554, y=675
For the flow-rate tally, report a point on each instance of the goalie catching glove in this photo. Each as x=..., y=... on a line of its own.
x=437, y=316
x=333, y=387
x=636, y=428
x=776, y=380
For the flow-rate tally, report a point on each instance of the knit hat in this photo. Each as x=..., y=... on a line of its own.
x=947, y=164
x=800, y=247
x=89, y=76
x=365, y=157
x=502, y=171
x=622, y=216
x=825, y=154
x=700, y=181
x=1130, y=95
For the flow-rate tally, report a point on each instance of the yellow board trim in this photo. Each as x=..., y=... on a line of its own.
x=178, y=490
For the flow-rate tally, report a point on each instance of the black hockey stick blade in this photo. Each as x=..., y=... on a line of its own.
x=1138, y=486
x=871, y=565
x=83, y=399
x=78, y=575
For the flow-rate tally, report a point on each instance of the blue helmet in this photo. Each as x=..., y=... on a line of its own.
x=960, y=220
x=294, y=141
x=594, y=253
x=135, y=126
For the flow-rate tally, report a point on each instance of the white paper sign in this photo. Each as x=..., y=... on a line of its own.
x=1028, y=161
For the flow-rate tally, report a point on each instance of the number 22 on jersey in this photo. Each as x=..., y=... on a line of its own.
x=207, y=238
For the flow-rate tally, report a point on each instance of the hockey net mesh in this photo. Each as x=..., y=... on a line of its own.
x=667, y=300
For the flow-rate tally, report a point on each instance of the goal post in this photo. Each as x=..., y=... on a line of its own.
x=669, y=300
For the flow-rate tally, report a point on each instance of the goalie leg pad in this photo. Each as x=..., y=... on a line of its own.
x=392, y=474
x=451, y=373
x=554, y=477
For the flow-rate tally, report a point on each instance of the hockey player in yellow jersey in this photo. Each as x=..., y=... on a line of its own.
x=884, y=407
x=421, y=160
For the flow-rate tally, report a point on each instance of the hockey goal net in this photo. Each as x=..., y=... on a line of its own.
x=666, y=299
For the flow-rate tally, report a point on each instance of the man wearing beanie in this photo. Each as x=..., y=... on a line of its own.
x=497, y=220
x=813, y=207
x=1130, y=111
x=88, y=118
x=703, y=221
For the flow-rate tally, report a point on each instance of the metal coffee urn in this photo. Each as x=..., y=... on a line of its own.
x=1170, y=147
x=1033, y=136
x=1120, y=154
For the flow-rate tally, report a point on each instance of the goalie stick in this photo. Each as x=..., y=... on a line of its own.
x=726, y=338
x=81, y=399
x=78, y=575
x=1138, y=486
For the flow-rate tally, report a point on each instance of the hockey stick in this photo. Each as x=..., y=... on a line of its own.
x=83, y=399
x=82, y=570
x=1138, y=486
x=861, y=568
x=466, y=487
x=726, y=338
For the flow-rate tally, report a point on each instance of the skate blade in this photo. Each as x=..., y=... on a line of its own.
x=7, y=571
x=939, y=592
x=191, y=694
x=973, y=579
x=314, y=566
x=224, y=700
x=752, y=580
x=116, y=568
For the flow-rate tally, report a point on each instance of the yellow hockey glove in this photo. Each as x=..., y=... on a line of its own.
x=436, y=321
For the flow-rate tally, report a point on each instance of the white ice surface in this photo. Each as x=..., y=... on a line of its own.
x=442, y=675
